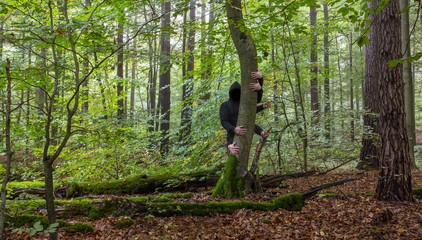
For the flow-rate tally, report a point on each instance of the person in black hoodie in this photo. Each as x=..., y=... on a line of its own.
x=229, y=111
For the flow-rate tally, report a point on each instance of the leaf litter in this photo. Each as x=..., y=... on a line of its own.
x=349, y=211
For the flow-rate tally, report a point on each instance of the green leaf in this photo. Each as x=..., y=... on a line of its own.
x=394, y=62
x=38, y=227
x=4, y=11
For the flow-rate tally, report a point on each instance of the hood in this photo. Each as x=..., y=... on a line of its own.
x=234, y=91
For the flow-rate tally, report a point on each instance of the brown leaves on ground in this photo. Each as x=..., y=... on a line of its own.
x=351, y=214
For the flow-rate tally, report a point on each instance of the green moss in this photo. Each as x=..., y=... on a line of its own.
x=25, y=185
x=230, y=185
x=291, y=201
x=370, y=194
x=124, y=223
x=21, y=220
x=135, y=184
x=80, y=227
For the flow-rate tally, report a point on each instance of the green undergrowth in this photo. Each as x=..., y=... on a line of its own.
x=29, y=220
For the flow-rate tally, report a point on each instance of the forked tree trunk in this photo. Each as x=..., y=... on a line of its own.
x=239, y=182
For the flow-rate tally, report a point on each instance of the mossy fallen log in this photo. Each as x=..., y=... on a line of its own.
x=93, y=209
x=137, y=206
x=140, y=185
x=29, y=220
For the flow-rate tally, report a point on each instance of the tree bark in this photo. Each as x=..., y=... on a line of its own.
x=164, y=95
x=409, y=89
x=241, y=182
x=9, y=151
x=369, y=154
x=327, y=103
x=186, y=121
x=352, y=115
x=314, y=68
x=394, y=182
x=120, y=98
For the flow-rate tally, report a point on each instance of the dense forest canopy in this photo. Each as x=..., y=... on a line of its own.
x=104, y=90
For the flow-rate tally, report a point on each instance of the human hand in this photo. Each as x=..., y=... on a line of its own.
x=265, y=134
x=233, y=148
x=240, y=130
x=256, y=75
x=255, y=86
x=267, y=104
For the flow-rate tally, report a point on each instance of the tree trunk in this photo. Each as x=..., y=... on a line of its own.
x=120, y=98
x=370, y=144
x=314, y=68
x=394, y=182
x=409, y=90
x=352, y=115
x=132, y=90
x=164, y=95
x=327, y=104
x=9, y=151
x=240, y=183
x=186, y=121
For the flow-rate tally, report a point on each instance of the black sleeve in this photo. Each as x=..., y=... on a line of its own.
x=260, y=92
x=225, y=118
x=260, y=108
x=258, y=129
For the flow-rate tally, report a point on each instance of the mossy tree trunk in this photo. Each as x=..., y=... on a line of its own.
x=246, y=51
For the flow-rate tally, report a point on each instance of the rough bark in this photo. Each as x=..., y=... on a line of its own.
x=370, y=139
x=352, y=107
x=394, y=183
x=327, y=103
x=120, y=98
x=164, y=94
x=314, y=68
x=9, y=151
x=186, y=115
x=409, y=89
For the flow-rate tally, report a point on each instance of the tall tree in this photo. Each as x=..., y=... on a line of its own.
x=394, y=182
x=370, y=144
x=409, y=89
x=165, y=65
x=9, y=151
x=207, y=52
x=120, y=98
x=327, y=103
x=186, y=121
x=246, y=50
x=314, y=66
x=352, y=121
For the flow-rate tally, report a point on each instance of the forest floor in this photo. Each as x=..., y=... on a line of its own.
x=353, y=213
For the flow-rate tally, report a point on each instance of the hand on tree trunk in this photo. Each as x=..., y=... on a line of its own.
x=239, y=130
x=233, y=148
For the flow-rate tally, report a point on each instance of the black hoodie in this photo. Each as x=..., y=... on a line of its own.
x=229, y=111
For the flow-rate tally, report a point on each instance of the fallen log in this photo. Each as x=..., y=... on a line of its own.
x=313, y=191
